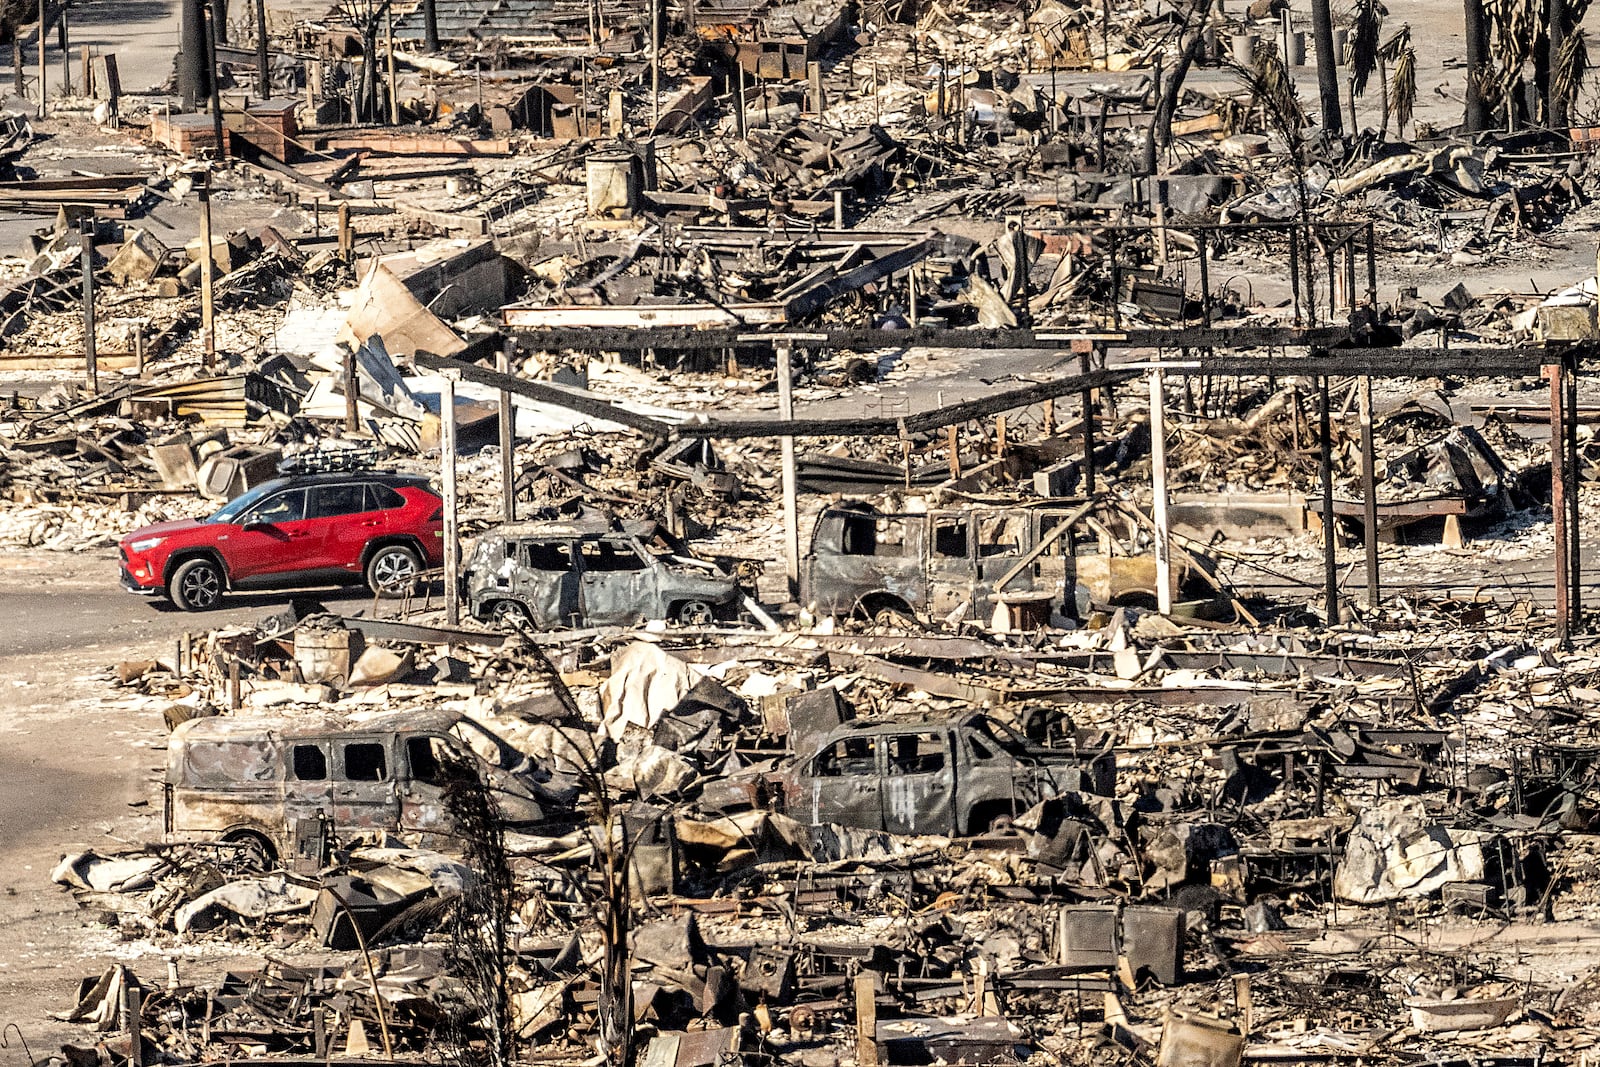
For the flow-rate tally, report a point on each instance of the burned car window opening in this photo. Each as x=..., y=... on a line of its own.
x=309, y=763
x=365, y=762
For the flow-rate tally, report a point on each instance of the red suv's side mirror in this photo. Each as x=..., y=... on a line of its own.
x=255, y=525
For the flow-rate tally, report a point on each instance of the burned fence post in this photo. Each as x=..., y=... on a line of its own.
x=1558, y=495
x=1330, y=562
x=508, y=441
x=866, y=995
x=430, y=25
x=1158, y=485
x=91, y=357
x=447, y=472
x=1369, y=495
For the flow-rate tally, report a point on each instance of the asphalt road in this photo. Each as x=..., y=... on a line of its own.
x=74, y=603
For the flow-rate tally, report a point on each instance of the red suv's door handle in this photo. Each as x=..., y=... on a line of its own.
x=299, y=533
x=372, y=522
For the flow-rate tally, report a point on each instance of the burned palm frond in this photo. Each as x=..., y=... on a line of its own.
x=1403, y=78
x=1274, y=90
x=1572, y=65
x=480, y=930
x=1362, y=49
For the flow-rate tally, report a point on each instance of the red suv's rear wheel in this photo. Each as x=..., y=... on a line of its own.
x=392, y=571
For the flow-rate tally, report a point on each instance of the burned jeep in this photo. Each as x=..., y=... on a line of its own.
x=594, y=573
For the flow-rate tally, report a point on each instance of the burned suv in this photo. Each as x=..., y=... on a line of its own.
x=591, y=573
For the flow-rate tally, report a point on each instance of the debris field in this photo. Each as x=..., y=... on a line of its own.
x=971, y=533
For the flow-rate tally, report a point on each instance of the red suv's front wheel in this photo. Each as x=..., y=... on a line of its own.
x=196, y=585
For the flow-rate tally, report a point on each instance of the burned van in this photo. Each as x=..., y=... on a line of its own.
x=284, y=787
x=962, y=564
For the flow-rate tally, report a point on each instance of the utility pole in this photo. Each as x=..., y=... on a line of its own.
x=447, y=473
x=1327, y=67
x=86, y=232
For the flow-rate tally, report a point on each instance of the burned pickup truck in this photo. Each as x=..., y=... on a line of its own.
x=1033, y=562
x=286, y=787
x=968, y=775
x=597, y=573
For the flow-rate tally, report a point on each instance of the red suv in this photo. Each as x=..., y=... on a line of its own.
x=304, y=530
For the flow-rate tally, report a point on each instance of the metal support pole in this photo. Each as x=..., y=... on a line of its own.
x=1158, y=480
x=791, y=504
x=1558, y=499
x=1087, y=404
x=91, y=357
x=430, y=25
x=352, y=394
x=44, y=70
x=508, y=441
x=1330, y=563
x=655, y=65
x=1369, y=492
x=447, y=475
x=1570, y=470
x=208, y=310
x=394, y=90
x=216, y=89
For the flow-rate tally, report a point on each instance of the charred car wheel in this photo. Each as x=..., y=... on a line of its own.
x=695, y=613
x=196, y=585
x=392, y=571
x=510, y=615
x=255, y=851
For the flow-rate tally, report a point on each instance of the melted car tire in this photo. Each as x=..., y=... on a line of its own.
x=695, y=613
x=255, y=851
x=510, y=614
x=383, y=577
x=196, y=585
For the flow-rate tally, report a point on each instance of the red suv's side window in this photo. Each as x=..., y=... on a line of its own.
x=331, y=501
x=387, y=499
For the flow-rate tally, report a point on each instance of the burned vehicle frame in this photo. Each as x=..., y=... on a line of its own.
x=287, y=787
x=594, y=572
x=966, y=775
x=948, y=564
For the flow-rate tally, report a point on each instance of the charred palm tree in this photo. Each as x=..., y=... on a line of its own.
x=367, y=18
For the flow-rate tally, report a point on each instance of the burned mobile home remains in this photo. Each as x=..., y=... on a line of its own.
x=966, y=533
